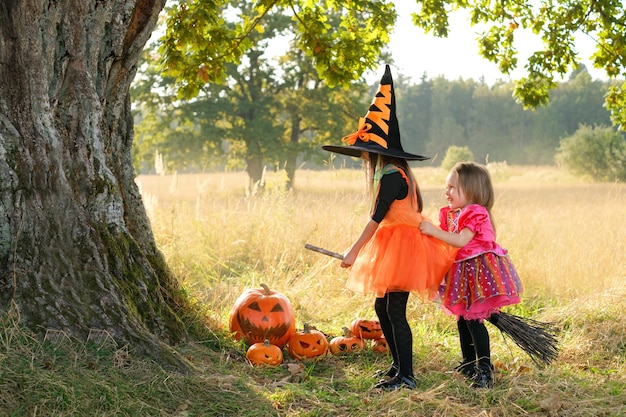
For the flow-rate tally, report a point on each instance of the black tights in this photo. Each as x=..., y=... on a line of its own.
x=474, y=339
x=391, y=312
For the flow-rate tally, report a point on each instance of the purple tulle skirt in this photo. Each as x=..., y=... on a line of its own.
x=477, y=287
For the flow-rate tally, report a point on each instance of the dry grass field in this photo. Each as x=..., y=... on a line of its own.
x=562, y=233
x=566, y=237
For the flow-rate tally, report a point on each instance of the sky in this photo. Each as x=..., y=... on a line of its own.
x=456, y=56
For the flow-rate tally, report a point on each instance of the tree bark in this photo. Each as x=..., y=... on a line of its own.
x=292, y=150
x=77, y=252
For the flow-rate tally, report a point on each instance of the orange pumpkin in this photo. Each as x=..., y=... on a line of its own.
x=264, y=354
x=380, y=345
x=260, y=314
x=346, y=343
x=307, y=344
x=366, y=329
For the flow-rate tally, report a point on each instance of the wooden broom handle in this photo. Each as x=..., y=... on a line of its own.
x=323, y=251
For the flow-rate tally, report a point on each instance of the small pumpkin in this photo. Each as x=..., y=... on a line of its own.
x=366, y=329
x=261, y=313
x=307, y=344
x=346, y=343
x=380, y=345
x=264, y=354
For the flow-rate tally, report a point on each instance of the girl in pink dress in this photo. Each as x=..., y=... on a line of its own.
x=483, y=278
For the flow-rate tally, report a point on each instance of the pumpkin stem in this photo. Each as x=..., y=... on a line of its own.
x=266, y=289
x=266, y=343
x=307, y=328
x=347, y=332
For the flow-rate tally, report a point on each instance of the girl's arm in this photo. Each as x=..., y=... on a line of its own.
x=366, y=234
x=392, y=187
x=458, y=240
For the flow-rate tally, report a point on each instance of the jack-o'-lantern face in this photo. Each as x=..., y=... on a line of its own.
x=307, y=344
x=346, y=343
x=380, y=345
x=264, y=354
x=260, y=314
x=263, y=319
x=366, y=329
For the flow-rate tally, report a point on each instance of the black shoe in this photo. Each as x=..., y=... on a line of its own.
x=397, y=382
x=484, y=377
x=381, y=375
x=467, y=369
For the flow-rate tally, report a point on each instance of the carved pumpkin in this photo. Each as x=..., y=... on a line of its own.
x=260, y=314
x=307, y=344
x=346, y=343
x=366, y=329
x=380, y=345
x=264, y=354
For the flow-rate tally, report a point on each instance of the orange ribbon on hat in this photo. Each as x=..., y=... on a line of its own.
x=363, y=134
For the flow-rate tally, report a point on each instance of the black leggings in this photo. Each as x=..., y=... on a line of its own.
x=391, y=312
x=474, y=339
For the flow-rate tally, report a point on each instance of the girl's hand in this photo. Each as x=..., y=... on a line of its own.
x=348, y=258
x=427, y=228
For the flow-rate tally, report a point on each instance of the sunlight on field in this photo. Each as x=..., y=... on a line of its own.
x=565, y=236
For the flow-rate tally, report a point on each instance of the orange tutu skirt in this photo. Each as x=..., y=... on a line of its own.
x=401, y=258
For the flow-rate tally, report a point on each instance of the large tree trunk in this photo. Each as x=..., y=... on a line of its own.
x=254, y=168
x=292, y=150
x=76, y=248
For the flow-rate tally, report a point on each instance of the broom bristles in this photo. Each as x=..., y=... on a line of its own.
x=534, y=337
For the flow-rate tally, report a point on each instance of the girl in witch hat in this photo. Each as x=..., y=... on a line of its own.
x=483, y=278
x=392, y=258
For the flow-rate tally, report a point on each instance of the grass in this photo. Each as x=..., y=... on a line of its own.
x=564, y=235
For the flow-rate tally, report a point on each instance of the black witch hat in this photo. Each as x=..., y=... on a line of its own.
x=378, y=131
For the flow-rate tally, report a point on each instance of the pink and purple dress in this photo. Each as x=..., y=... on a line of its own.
x=482, y=278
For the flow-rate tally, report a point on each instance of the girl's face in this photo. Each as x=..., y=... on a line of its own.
x=455, y=195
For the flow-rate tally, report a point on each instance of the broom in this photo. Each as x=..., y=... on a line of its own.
x=534, y=337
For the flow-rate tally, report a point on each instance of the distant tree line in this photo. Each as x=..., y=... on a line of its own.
x=434, y=114
x=235, y=105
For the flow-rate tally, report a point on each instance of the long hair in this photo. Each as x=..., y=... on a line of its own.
x=475, y=181
x=377, y=162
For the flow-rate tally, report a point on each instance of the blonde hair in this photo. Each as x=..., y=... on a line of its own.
x=377, y=161
x=475, y=181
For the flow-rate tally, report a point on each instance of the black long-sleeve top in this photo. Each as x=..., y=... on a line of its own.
x=392, y=187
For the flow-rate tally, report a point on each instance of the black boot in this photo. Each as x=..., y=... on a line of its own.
x=484, y=376
x=383, y=376
x=397, y=382
x=467, y=369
